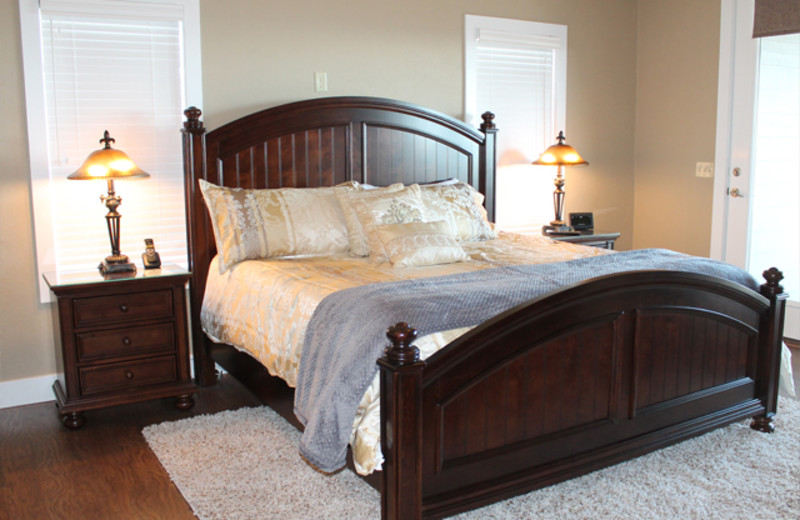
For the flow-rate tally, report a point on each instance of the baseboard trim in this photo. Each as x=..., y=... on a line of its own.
x=31, y=390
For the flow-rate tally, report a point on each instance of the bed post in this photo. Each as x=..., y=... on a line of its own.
x=193, y=134
x=769, y=371
x=401, y=426
x=488, y=163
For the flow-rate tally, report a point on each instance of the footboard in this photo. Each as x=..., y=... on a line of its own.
x=595, y=374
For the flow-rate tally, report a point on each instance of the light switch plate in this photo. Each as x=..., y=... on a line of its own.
x=321, y=81
x=704, y=169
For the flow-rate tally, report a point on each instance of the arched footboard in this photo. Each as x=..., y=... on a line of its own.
x=592, y=375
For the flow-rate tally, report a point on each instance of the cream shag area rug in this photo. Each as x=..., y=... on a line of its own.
x=244, y=464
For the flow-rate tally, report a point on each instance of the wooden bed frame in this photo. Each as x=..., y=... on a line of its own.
x=597, y=373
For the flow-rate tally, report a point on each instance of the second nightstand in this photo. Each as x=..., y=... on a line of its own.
x=589, y=238
x=121, y=340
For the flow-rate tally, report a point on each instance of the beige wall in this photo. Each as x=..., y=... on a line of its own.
x=258, y=54
x=676, y=111
x=26, y=336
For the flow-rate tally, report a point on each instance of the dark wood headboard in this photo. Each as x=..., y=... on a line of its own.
x=323, y=142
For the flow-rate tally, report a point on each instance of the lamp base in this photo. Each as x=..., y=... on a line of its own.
x=116, y=264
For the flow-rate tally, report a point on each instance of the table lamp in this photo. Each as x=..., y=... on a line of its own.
x=109, y=164
x=560, y=154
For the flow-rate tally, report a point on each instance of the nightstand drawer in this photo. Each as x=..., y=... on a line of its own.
x=122, y=376
x=125, y=342
x=122, y=307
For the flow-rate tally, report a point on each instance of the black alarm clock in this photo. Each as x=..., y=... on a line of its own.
x=581, y=221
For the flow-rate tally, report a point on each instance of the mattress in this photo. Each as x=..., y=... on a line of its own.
x=262, y=307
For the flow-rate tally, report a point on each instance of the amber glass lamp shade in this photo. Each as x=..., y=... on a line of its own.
x=109, y=164
x=561, y=155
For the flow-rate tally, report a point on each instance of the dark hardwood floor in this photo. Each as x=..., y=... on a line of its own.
x=105, y=470
x=102, y=471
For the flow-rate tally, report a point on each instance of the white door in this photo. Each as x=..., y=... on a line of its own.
x=756, y=214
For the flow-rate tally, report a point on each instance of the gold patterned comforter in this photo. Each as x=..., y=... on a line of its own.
x=262, y=307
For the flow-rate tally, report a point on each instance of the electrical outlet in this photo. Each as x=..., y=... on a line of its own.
x=321, y=81
x=704, y=169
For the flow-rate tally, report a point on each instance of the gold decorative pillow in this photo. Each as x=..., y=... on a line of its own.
x=415, y=244
x=348, y=199
x=397, y=207
x=461, y=206
x=267, y=223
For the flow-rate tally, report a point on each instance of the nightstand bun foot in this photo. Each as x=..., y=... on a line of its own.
x=73, y=420
x=184, y=402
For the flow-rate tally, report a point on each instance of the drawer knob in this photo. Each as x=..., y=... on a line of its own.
x=126, y=341
x=123, y=308
x=129, y=374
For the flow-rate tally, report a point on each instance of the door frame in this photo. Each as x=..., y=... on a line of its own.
x=731, y=72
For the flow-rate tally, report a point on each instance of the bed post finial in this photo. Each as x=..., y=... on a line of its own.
x=193, y=123
x=488, y=121
x=773, y=276
x=401, y=351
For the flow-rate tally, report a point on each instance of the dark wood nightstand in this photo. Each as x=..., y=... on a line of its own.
x=589, y=238
x=120, y=340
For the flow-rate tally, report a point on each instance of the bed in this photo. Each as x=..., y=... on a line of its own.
x=512, y=404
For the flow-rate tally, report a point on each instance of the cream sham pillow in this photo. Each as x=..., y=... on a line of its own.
x=397, y=207
x=268, y=223
x=348, y=199
x=415, y=244
x=461, y=206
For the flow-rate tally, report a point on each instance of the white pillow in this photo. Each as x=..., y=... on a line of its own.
x=397, y=207
x=348, y=200
x=415, y=244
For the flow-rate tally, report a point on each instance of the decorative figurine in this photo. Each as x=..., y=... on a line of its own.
x=150, y=257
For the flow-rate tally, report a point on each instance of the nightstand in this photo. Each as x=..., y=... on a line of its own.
x=120, y=340
x=589, y=238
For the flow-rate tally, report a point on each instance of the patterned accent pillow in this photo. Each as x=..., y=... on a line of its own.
x=399, y=207
x=461, y=206
x=267, y=223
x=415, y=244
x=350, y=200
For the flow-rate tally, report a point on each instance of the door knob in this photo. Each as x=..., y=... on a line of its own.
x=734, y=192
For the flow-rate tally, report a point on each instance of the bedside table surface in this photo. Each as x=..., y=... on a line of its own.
x=604, y=239
x=58, y=279
x=599, y=235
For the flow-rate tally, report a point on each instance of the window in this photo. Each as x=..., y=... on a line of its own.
x=518, y=70
x=129, y=67
x=775, y=188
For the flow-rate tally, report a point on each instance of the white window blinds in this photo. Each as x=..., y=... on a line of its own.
x=516, y=77
x=116, y=66
x=517, y=69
